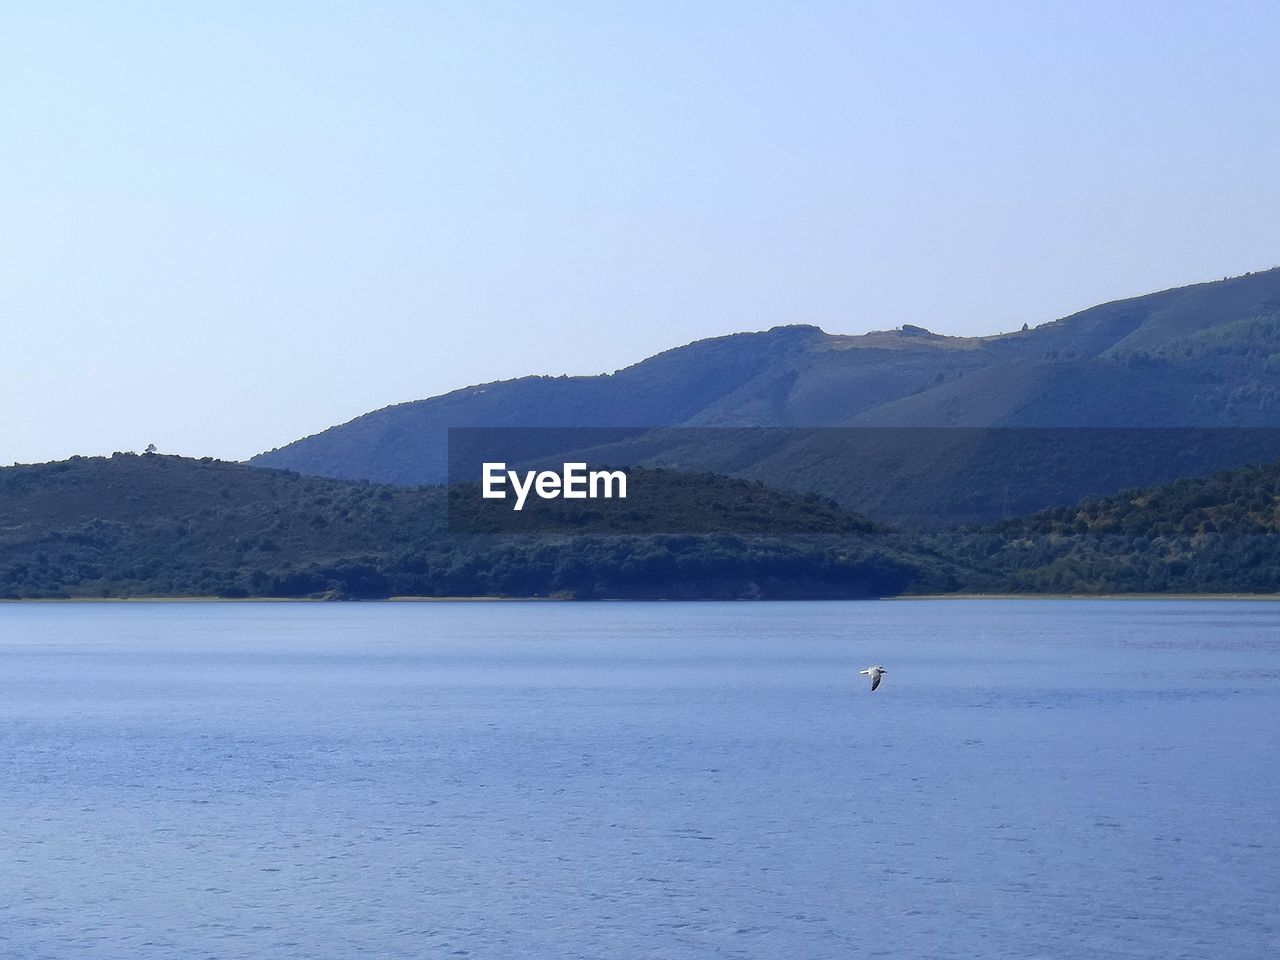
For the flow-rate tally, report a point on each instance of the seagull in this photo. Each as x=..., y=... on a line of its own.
x=875, y=673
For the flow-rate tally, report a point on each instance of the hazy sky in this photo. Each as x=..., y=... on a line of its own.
x=226, y=225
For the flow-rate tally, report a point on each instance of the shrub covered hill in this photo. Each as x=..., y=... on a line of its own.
x=1206, y=355
x=1217, y=534
x=168, y=526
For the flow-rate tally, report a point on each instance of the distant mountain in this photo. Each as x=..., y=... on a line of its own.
x=1204, y=355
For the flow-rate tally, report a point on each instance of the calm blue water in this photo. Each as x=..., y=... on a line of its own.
x=1034, y=779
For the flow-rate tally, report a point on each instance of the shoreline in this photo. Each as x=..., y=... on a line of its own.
x=464, y=599
x=1087, y=596
x=4, y=600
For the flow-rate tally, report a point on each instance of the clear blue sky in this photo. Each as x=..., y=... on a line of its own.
x=227, y=225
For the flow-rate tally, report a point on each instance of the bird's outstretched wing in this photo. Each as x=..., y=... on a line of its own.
x=875, y=682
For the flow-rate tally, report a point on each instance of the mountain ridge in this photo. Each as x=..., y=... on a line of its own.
x=1114, y=364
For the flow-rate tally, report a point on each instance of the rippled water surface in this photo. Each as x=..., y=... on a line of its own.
x=1033, y=779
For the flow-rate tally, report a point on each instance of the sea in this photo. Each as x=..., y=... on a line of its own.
x=632, y=781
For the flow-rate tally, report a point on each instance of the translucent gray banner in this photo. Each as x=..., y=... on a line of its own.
x=706, y=480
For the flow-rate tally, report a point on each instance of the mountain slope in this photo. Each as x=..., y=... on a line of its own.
x=168, y=526
x=1144, y=361
x=1216, y=534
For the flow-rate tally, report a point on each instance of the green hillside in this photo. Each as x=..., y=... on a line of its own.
x=168, y=526
x=1218, y=534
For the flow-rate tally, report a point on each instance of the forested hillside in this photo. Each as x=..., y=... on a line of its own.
x=168, y=526
x=1218, y=534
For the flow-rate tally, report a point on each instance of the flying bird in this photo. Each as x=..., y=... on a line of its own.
x=875, y=673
